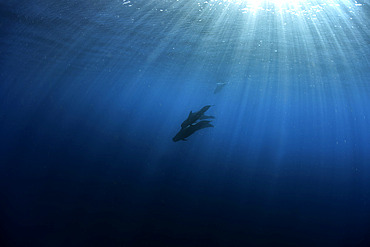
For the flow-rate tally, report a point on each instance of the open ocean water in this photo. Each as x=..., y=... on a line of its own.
x=92, y=93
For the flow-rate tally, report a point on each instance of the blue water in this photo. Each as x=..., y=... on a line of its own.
x=92, y=93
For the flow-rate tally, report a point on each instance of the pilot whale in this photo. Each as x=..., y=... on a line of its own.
x=195, y=116
x=189, y=130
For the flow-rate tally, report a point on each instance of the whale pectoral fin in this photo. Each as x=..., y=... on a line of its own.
x=184, y=139
x=206, y=117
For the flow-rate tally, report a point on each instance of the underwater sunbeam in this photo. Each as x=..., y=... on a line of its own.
x=296, y=6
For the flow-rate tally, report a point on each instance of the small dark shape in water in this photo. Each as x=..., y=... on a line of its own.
x=189, y=130
x=199, y=115
x=219, y=86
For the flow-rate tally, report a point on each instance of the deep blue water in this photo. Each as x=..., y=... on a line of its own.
x=92, y=92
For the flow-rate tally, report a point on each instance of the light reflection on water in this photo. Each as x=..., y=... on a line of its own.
x=295, y=7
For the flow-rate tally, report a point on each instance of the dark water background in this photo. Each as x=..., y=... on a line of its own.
x=92, y=92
